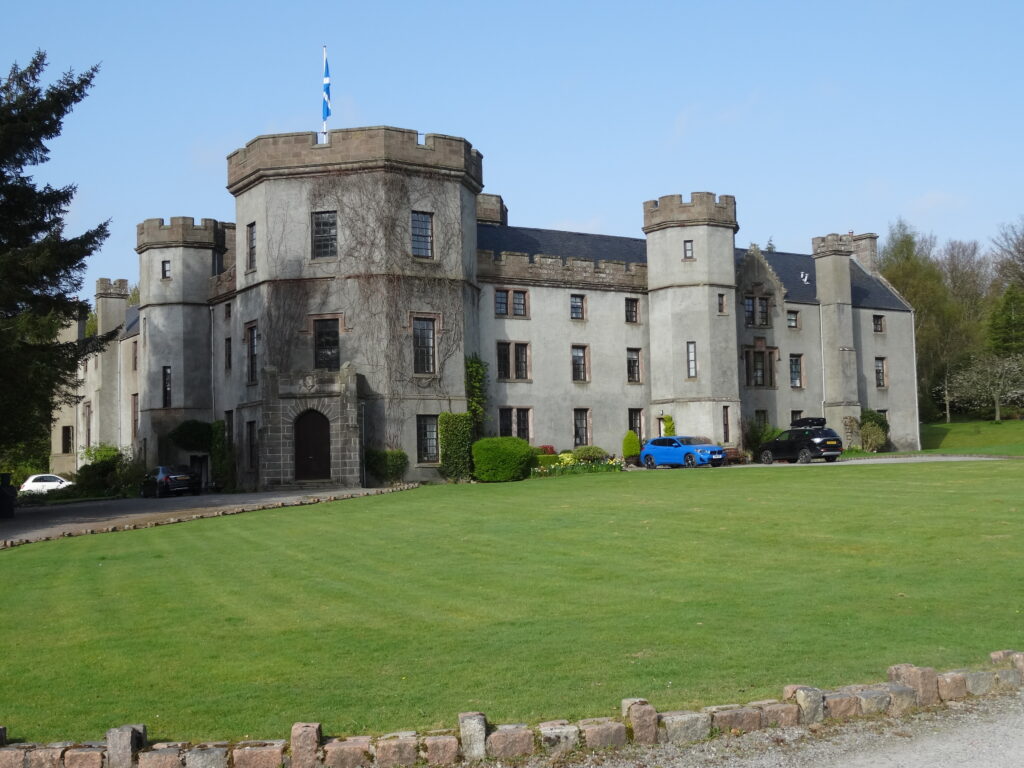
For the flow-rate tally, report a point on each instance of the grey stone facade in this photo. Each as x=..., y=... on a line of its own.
x=337, y=312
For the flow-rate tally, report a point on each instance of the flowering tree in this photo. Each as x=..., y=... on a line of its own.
x=989, y=380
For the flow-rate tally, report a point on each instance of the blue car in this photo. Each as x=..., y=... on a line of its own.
x=682, y=452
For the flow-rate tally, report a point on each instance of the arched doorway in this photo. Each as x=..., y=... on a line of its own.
x=312, y=446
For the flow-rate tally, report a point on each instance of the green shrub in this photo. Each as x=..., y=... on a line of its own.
x=754, y=435
x=548, y=460
x=455, y=440
x=388, y=466
x=501, y=459
x=868, y=416
x=630, y=444
x=476, y=392
x=590, y=453
x=668, y=425
x=192, y=435
x=872, y=438
x=222, y=457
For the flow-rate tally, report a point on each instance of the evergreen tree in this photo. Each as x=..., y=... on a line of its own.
x=40, y=269
x=1006, y=324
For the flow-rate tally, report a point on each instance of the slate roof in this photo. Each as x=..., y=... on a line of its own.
x=131, y=323
x=795, y=270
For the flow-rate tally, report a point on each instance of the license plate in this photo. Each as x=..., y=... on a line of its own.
x=831, y=442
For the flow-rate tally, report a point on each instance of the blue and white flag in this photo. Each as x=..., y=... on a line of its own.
x=327, y=88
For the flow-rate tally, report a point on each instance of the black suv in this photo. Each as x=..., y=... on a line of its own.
x=163, y=481
x=806, y=439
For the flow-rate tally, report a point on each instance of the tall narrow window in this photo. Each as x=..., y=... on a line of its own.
x=687, y=249
x=325, y=234
x=881, y=372
x=504, y=368
x=326, y=349
x=633, y=365
x=519, y=304
x=87, y=419
x=522, y=361
x=167, y=386
x=216, y=262
x=422, y=235
x=796, y=371
x=251, y=367
x=505, y=422
x=250, y=245
x=67, y=439
x=632, y=310
x=691, y=359
x=229, y=427
x=635, y=418
x=500, y=301
x=762, y=310
x=725, y=423
x=423, y=344
x=576, y=306
x=251, y=444
x=227, y=354
x=581, y=426
x=135, y=415
x=135, y=355
x=579, y=362
x=165, y=270
x=426, y=439
x=759, y=367
x=748, y=310
x=722, y=306
x=523, y=423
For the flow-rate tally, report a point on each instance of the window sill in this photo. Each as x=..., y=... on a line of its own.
x=513, y=381
x=428, y=464
x=510, y=317
x=635, y=383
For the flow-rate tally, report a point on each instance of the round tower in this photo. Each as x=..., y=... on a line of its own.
x=691, y=280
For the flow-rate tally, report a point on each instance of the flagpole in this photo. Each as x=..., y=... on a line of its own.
x=327, y=95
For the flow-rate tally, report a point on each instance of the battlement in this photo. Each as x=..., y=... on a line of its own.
x=491, y=209
x=298, y=154
x=107, y=289
x=182, y=232
x=832, y=244
x=556, y=271
x=703, y=209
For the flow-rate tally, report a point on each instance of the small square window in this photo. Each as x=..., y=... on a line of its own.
x=878, y=323
x=794, y=415
x=792, y=318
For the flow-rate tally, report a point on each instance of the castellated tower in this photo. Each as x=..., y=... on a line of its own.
x=174, y=328
x=832, y=254
x=691, y=278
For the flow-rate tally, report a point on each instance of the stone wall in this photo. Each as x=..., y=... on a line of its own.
x=908, y=688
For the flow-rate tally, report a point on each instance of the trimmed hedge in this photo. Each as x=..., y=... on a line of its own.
x=590, y=454
x=387, y=466
x=455, y=439
x=630, y=444
x=502, y=459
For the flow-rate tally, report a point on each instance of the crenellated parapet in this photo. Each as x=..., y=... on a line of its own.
x=181, y=232
x=832, y=245
x=545, y=269
x=111, y=289
x=703, y=209
x=353, y=149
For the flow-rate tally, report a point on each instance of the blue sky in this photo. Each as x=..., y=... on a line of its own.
x=819, y=117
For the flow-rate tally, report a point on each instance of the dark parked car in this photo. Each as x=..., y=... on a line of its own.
x=682, y=452
x=163, y=481
x=805, y=440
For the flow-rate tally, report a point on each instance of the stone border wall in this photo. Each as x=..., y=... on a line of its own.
x=908, y=688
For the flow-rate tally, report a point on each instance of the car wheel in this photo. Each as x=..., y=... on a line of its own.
x=804, y=457
x=649, y=462
x=690, y=461
x=766, y=457
x=830, y=459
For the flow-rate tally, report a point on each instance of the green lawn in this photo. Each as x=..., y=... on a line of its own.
x=528, y=601
x=1002, y=438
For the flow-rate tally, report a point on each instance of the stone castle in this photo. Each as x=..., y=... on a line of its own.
x=337, y=312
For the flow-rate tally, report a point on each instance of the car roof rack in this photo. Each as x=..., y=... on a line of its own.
x=808, y=421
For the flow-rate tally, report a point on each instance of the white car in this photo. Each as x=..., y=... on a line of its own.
x=44, y=483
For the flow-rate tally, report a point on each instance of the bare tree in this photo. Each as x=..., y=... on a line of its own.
x=1008, y=253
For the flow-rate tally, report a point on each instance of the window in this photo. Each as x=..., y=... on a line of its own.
x=422, y=235
x=67, y=439
x=794, y=415
x=500, y=302
x=87, y=418
x=227, y=311
x=514, y=422
x=135, y=355
x=519, y=303
x=229, y=427
x=792, y=318
x=633, y=365
x=881, y=372
x=250, y=245
x=723, y=307
x=165, y=270
x=579, y=362
x=426, y=439
x=326, y=351
x=227, y=354
x=581, y=426
x=760, y=367
x=167, y=386
x=762, y=310
x=878, y=323
x=691, y=359
x=748, y=310
x=761, y=419
x=250, y=354
x=635, y=418
x=796, y=371
x=325, y=234
x=688, y=249
x=216, y=262
x=756, y=311
x=576, y=309
x=423, y=345
x=513, y=360
x=725, y=423
x=632, y=310
x=251, y=444
x=135, y=416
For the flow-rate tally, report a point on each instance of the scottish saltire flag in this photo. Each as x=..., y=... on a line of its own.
x=327, y=88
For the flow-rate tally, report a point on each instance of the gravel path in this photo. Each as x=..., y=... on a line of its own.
x=981, y=733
